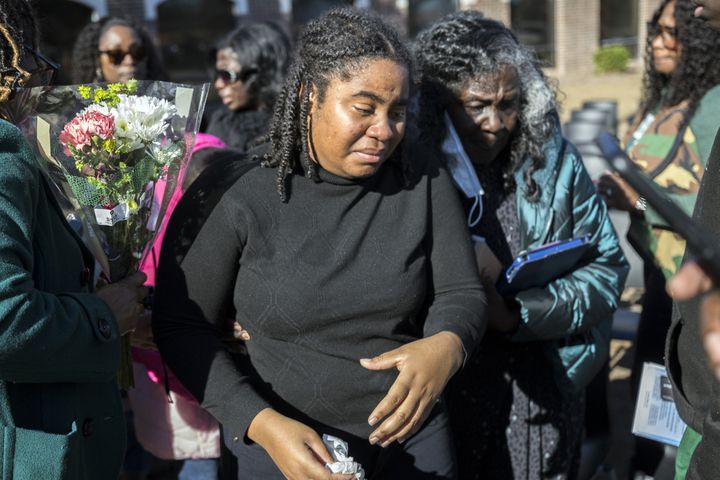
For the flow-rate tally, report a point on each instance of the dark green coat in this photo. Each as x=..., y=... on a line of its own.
x=60, y=410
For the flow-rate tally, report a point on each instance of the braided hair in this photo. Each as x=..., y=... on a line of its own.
x=263, y=49
x=17, y=28
x=697, y=71
x=463, y=46
x=86, y=67
x=332, y=46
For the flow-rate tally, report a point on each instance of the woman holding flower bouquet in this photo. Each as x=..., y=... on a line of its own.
x=345, y=256
x=59, y=342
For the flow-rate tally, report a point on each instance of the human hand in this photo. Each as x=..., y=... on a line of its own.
x=425, y=367
x=501, y=317
x=239, y=332
x=295, y=448
x=142, y=336
x=689, y=282
x=125, y=300
x=616, y=192
x=503, y=314
x=489, y=266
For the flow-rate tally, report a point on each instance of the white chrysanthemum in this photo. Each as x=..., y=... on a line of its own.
x=140, y=121
x=101, y=108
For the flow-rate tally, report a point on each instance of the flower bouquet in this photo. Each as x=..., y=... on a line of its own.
x=106, y=147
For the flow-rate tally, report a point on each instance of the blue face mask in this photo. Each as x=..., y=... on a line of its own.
x=462, y=171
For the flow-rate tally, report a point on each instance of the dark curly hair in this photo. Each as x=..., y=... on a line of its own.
x=331, y=46
x=263, y=50
x=463, y=46
x=85, y=52
x=697, y=71
x=17, y=28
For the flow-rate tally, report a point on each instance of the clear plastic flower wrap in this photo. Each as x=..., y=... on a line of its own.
x=105, y=148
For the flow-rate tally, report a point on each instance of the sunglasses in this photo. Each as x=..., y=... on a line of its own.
x=228, y=76
x=116, y=57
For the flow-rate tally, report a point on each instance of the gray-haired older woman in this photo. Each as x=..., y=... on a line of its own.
x=487, y=108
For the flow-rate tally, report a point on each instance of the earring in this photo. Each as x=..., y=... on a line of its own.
x=98, y=75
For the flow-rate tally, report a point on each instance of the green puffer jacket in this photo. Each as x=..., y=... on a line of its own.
x=572, y=314
x=60, y=410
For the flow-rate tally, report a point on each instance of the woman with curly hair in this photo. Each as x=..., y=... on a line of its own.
x=670, y=139
x=488, y=109
x=250, y=66
x=115, y=49
x=358, y=320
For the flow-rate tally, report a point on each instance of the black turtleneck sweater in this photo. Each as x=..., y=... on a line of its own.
x=344, y=270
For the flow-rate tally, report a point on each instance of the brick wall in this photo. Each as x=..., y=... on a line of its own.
x=495, y=9
x=577, y=35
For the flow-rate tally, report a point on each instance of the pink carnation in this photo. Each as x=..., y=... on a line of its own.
x=81, y=129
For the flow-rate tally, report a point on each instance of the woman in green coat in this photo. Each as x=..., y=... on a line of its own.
x=60, y=409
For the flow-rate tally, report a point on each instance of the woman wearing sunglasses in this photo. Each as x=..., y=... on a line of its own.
x=115, y=49
x=670, y=139
x=250, y=65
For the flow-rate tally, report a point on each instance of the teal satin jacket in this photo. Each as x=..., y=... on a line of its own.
x=573, y=314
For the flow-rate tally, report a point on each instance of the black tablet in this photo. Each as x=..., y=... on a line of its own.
x=699, y=241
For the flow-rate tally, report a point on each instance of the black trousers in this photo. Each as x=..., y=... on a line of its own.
x=428, y=455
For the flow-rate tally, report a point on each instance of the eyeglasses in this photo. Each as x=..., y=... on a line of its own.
x=47, y=70
x=43, y=75
x=668, y=34
x=228, y=76
x=116, y=57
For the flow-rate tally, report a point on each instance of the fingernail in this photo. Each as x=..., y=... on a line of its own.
x=385, y=444
x=372, y=421
x=365, y=360
x=401, y=441
x=373, y=440
x=245, y=336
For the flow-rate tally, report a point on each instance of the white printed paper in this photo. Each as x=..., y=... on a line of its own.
x=343, y=463
x=656, y=417
x=107, y=217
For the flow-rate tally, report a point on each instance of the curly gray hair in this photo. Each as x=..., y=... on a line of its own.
x=464, y=46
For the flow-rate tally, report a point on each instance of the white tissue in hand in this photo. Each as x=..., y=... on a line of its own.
x=343, y=462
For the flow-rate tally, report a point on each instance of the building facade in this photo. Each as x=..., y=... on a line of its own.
x=565, y=33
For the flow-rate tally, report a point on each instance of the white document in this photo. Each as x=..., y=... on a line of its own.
x=656, y=417
x=108, y=218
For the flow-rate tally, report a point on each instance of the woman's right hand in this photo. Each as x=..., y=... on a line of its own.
x=617, y=193
x=501, y=317
x=295, y=448
x=125, y=300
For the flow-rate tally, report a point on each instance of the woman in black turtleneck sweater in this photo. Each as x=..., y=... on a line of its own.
x=345, y=256
x=250, y=65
